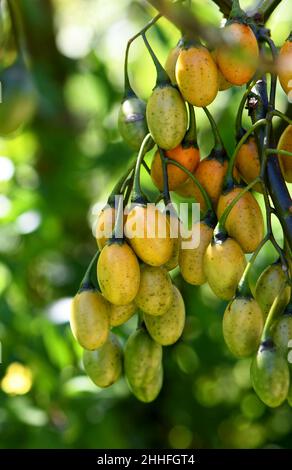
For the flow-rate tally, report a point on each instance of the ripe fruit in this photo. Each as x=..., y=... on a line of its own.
x=238, y=59
x=245, y=221
x=89, y=319
x=269, y=285
x=191, y=260
x=224, y=263
x=118, y=273
x=270, y=375
x=285, y=67
x=166, y=329
x=119, y=314
x=166, y=116
x=104, y=365
x=285, y=143
x=189, y=157
x=248, y=162
x=143, y=365
x=196, y=75
x=282, y=330
x=155, y=292
x=148, y=232
x=104, y=226
x=223, y=84
x=171, y=61
x=132, y=121
x=242, y=326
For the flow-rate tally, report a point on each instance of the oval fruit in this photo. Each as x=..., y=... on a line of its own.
x=196, y=75
x=143, y=365
x=104, y=226
x=89, y=319
x=104, y=365
x=171, y=62
x=132, y=121
x=118, y=273
x=270, y=376
x=239, y=58
x=189, y=157
x=285, y=143
x=166, y=329
x=269, y=285
x=223, y=84
x=248, y=163
x=148, y=232
x=166, y=116
x=191, y=260
x=120, y=314
x=224, y=263
x=155, y=292
x=285, y=67
x=245, y=222
x=242, y=326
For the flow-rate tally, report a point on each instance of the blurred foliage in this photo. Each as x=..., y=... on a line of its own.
x=52, y=174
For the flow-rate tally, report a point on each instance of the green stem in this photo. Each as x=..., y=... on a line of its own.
x=267, y=7
x=118, y=188
x=166, y=195
x=277, y=113
x=137, y=192
x=86, y=283
x=162, y=77
x=118, y=232
x=278, y=152
x=238, y=124
x=16, y=27
x=190, y=139
x=217, y=138
x=274, y=311
x=236, y=10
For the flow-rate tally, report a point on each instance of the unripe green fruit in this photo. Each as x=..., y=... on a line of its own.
x=268, y=286
x=282, y=330
x=132, y=121
x=143, y=365
x=242, y=326
x=166, y=116
x=270, y=375
x=104, y=365
x=167, y=329
x=155, y=291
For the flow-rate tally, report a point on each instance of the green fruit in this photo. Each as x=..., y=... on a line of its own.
x=119, y=314
x=166, y=116
x=104, y=365
x=282, y=330
x=143, y=365
x=19, y=100
x=132, y=121
x=242, y=326
x=268, y=287
x=270, y=375
x=89, y=319
x=167, y=329
x=155, y=292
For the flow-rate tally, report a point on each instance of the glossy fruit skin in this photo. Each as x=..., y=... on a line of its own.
x=156, y=249
x=170, y=63
x=285, y=143
x=189, y=157
x=120, y=314
x=104, y=365
x=196, y=75
x=242, y=326
x=143, y=365
x=245, y=222
x=104, y=226
x=224, y=263
x=118, y=273
x=132, y=121
x=248, y=163
x=173, y=260
x=223, y=84
x=285, y=67
x=282, y=332
x=270, y=376
x=167, y=329
x=89, y=319
x=191, y=261
x=155, y=292
x=19, y=100
x=238, y=67
x=166, y=116
x=268, y=286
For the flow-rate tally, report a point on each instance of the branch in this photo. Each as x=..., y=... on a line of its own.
x=267, y=8
x=224, y=6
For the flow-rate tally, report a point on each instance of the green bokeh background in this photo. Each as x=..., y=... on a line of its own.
x=54, y=172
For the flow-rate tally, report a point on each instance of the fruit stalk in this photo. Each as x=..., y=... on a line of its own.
x=218, y=145
x=137, y=193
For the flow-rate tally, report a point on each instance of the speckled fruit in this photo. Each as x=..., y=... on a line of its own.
x=166, y=116
x=104, y=365
x=238, y=60
x=196, y=75
x=120, y=314
x=89, y=319
x=118, y=273
x=132, y=121
x=223, y=84
x=210, y=173
x=242, y=326
x=282, y=331
x=248, y=163
x=285, y=66
x=224, y=263
x=143, y=365
x=170, y=63
x=155, y=292
x=285, y=143
x=270, y=376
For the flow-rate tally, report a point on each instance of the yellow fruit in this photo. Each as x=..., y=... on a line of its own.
x=119, y=314
x=170, y=63
x=155, y=292
x=105, y=225
x=223, y=84
x=285, y=143
x=285, y=66
x=248, y=163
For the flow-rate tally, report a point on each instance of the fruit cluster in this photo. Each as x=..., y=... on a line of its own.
x=132, y=270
